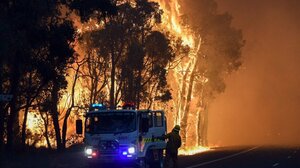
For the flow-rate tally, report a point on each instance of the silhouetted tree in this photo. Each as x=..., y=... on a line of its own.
x=37, y=50
x=72, y=102
x=95, y=9
x=20, y=21
x=137, y=54
x=94, y=71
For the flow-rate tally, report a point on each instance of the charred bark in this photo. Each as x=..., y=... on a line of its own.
x=205, y=128
x=112, y=82
x=46, y=133
x=65, y=123
x=23, y=138
x=54, y=113
x=24, y=124
x=2, y=112
x=184, y=120
x=13, y=121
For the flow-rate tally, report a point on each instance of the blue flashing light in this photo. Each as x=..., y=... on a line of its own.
x=124, y=153
x=97, y=105
x=129, y=155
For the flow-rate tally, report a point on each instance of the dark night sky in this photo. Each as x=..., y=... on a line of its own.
x=261, y=104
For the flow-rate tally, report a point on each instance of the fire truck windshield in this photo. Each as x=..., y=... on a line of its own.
x=110, y=122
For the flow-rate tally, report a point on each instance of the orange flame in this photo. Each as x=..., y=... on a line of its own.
x=193, y=150
x=172, y=22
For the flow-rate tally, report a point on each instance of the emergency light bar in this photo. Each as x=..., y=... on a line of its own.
x=97, y=107
x=128, y=105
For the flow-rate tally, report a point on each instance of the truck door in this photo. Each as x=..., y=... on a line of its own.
x=159, y=126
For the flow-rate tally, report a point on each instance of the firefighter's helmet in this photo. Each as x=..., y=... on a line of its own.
x=176, y=128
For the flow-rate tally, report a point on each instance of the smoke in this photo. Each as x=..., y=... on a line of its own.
x=262, y=101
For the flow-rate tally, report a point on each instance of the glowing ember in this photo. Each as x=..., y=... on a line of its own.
x=193, y=150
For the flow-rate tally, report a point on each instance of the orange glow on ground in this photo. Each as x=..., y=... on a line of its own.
x=193, y=150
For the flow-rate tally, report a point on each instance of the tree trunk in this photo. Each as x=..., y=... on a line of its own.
x=2, y=115
x=65, y=124
x=65, y=127
x=138, y=89
x=23, y=138
x=198, y=133
x=187, y=109
x=205, y=127
x=46, y=122
x=200, y=117
x=13, y=120
x=200, y=129
x=1, y=125
x=24, y=124
x=188, y=102
x=112, y=82
x=54, y=114
x=182, y=94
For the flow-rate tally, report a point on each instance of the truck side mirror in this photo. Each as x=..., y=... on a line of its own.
x=145, y=125
x=78, y=126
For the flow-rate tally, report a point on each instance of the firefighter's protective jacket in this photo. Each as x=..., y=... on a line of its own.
x=174, y=142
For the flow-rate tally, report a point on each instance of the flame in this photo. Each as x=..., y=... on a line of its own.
x=193, y=150
x=171, y=21
x=32, y=122
x=35, y=125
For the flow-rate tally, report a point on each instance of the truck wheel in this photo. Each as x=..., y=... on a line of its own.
x=158, y=163
x=142, y=163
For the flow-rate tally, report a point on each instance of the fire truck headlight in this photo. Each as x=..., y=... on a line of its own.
x=131, y=150
x=89, y=151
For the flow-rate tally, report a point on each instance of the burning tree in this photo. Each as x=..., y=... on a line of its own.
x=215, y=53
x=131, y=55
x=167, y=53
x=128, y=44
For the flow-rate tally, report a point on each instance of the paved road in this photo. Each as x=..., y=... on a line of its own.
x=237, y=157
x=242, y=157
x=245, y=157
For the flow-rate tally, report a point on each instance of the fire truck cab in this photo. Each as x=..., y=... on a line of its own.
x=124, y=135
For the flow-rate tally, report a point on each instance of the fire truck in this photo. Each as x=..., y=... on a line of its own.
x=125, y=135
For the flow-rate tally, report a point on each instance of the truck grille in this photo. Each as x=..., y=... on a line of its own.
x=109, y=147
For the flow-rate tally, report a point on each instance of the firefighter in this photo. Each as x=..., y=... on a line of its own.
x=174, y=142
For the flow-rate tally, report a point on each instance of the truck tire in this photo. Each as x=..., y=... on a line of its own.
x=142, y=163
x=157, y=163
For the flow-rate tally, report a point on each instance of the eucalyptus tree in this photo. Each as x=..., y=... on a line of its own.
x=135, y=52
x=21, y=23
x=38, y=48
x=143, y=68
x=219, y=55
x=94, y=71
